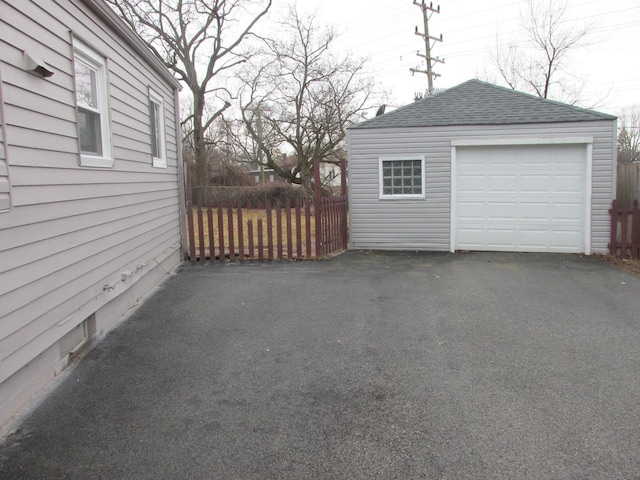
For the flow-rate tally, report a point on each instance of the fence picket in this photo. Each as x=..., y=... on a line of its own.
x=250, y=238
x=240, y=233
x=624, y=221
x=298, y=230
x=307, y=219
x=201, y=234
x=232, y=247
x=221, y=233
x=613, y=229
x=260, y=241
x=212, y=245
x=287, y=206
x=191, y=227
x=269, y=231
x=635, y=230
x=279, y=228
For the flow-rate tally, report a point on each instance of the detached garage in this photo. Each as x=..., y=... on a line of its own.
x=481, y=167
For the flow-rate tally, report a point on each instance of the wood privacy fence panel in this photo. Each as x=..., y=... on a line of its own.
x=625, y=229
x=293, y=230
x=628, y=182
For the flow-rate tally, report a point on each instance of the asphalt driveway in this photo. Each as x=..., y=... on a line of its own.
x=365, y=366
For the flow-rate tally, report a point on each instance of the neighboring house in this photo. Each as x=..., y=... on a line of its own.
x=329, y=173
x=481, y=167
x=269, y=175
x=90, y=183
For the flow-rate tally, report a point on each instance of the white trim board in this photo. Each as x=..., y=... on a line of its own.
x=478, y=142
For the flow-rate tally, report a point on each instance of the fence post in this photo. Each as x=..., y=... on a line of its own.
x=287, y=209
x=298, y=229
x=317, y=207
x=635, y=233
x=279, y=229
x=201, y=235
x=344, y=228
x=192, y=241
x=240, y=224
x=624, y=222
x=269, y=230
x=307, y=227
x=221, y=233
x=212, y=243
x=614, y=228
x=343, y=176
x=187, y=170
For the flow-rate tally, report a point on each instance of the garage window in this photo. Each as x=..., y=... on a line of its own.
x=402, y=177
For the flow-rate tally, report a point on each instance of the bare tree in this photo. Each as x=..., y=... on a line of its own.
x=301, y=97
x=198, y=40
x=629, y=135
x=538, y=62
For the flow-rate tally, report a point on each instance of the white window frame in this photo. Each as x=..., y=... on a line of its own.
x=88, y=55
x=159, y=161
x=403, y=196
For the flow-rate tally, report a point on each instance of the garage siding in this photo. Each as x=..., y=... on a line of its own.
x=424, y=224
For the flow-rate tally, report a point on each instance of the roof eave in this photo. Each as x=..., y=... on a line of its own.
x=105, y=12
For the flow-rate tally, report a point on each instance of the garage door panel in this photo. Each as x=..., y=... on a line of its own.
x=472, y=237
x=471, y=183
x=535, y=183
x=503, y=183
x=567, y=213
x=535, y=211
x=521, y=198
x=532, y=239
x=496, y=211
x=471, y=211
x=566, y=241
x=500, y=237
x=568, y=184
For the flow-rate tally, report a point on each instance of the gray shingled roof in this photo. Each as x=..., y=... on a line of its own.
x=479, y=103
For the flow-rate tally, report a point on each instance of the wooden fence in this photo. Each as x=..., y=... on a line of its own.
x=293, y=230
x=628, y=182
x=625, y=229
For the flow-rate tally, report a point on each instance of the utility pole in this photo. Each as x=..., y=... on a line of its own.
x=427, y=11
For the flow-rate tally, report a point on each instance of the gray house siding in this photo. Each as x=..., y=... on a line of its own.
x=425, y=224
x=80, y=245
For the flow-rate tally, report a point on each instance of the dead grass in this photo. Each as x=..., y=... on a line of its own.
x=628, y=264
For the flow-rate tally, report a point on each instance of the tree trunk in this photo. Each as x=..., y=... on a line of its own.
x=201, y=179
x=306, y=179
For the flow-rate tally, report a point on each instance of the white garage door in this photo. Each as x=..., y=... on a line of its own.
x=529, y=198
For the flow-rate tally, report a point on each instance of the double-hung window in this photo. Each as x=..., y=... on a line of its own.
x=402, y=177
x=90, y=75
x=158, y=145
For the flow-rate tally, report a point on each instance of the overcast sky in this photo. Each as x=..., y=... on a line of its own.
x=383, y=32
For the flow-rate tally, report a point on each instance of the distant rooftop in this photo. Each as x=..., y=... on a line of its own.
x=479, y=103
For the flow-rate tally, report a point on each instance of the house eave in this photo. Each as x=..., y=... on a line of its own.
x=105, y=12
